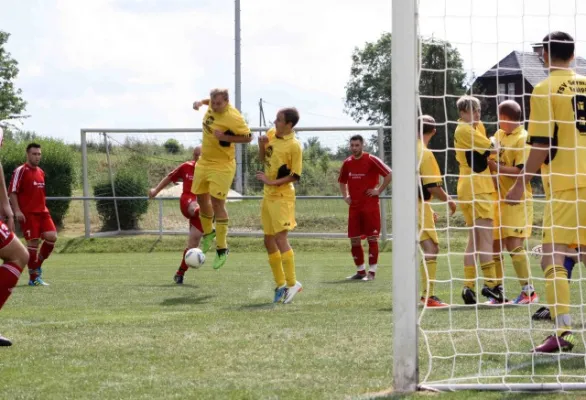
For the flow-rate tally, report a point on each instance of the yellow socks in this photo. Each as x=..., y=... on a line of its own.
x=489, y=274
x=428, y=276
x=557, y=291
x=470, y=276
x=277, y=267
x=498, y=269
x=521, y=265
x=221, y=233
x=288, y=259
x=207, y=223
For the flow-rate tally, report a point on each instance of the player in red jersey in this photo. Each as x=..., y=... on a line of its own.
x=188, y=204
x=27, y=195
x=13, y=254
x=360, y=188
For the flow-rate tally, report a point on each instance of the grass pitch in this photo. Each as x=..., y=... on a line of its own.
x=115, y=326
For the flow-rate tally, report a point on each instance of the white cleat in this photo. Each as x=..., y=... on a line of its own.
x=292, y=291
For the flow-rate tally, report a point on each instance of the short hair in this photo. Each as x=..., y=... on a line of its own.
x=468, y=103
x=511, y=109
x=220, y=92
x=32, y=146
x=559, y=45
x=357, y=137
x=426, y=124
x=291, y=115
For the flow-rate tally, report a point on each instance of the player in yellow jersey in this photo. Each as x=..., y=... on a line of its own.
x=513, y=223
x=431, y=186
x=223, y=126
x=557, y=133
x=282, y=156
x=476, y=196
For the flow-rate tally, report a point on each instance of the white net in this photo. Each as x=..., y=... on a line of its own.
x=488, y=49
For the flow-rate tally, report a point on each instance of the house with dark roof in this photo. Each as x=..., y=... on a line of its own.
x=513, y=78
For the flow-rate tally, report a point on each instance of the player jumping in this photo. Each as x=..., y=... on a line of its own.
x=557, y=133
x=188, y=205
x=27, y=195
x=13, y=254
x=282, y=156
x=360, y=189
x=223, y=126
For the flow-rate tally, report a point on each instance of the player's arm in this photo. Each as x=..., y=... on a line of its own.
x=238, y=130
x=262, y=142
x=294, y=172
x=384, y=171
x=197, y=104
x=343, y=182
x=163, y=184
x=4, y=201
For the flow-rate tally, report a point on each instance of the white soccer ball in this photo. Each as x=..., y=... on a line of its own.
x=195, y=258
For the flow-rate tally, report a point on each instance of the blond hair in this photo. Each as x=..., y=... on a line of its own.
x=219, y=92
x=468, y=103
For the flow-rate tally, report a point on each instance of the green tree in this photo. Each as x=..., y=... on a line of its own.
x=368, y=92
x=11, y=103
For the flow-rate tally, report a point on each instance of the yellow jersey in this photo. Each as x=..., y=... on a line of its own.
x=429, y=171
x=215, y=153
x=512, y=152
x=558, y=118
x=472, y=152
x=283, y=157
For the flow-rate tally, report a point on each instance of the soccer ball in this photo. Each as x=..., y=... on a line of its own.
x=195, y=258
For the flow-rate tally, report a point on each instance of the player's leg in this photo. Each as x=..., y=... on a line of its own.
x=560, y=221
x=515, y=247
x=483, y=235
x=201, y=187
x=468, y=293
x=354, y=234
x=49, y=236
x=193, y=241
x=274, y=254
x=497, y=244
x=428, y=241
x=282, y=214
x=371, y=229
x=15, y=258
x=219, y=188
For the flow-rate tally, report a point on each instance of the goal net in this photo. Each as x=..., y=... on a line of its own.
x=486, y=49
x=120, y=165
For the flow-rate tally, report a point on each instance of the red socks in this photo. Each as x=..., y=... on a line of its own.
x=373, y=252
x=358, y=255
x=9, y=274
x=183, y=267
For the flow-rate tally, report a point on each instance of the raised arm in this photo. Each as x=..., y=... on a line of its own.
x=163, y=184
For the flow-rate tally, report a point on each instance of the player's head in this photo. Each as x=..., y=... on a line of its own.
x=510, y=115
x=219, y=99
x=356, y=145
x=33, y=154
x=469, y=109
x=286, y=120
x=196, y=153
x=426, y=126
x=558, y=47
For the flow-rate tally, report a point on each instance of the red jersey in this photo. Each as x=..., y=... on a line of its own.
x=184, y=173
x=361, y=174
x=29, y=185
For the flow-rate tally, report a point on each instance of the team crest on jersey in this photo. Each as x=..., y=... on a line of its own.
x=210, y=120
x=269, y=151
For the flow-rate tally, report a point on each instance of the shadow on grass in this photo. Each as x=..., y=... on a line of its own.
x=355, y=281
x=186, y=300
x=258, y=306
x=169, y=285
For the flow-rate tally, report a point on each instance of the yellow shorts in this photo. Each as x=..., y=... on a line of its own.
x=277, y=215
x=513, y=220
x=482, y=207
x=426, y=223
x=564, y=217
x=214, y=181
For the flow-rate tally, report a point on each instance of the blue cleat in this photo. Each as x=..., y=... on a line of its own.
x=280, y=293
x=37, y=282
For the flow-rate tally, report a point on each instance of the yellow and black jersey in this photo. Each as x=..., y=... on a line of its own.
x=283, y=157
x=215, y=153
x=429, y=171
x=513, y=151
x=558, y=119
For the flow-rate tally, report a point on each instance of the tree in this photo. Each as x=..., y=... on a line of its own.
x=368, y=92
x=11, y=103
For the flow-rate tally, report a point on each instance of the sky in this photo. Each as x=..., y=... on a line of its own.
x=141, y=63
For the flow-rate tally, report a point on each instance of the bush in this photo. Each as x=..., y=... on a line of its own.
x=172, y=146
x=128, y=181
x=58, y=164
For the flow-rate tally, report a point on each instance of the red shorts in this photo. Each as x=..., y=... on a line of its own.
x=36, y=224
x=184, y=202
x=363, y=222
x=6, y=235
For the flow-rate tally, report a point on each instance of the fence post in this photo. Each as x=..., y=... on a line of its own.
x=383, y=204
x=86, y=189
x=160, y=219
x=112, y=180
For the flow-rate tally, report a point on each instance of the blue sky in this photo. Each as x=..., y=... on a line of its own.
x=141, y=63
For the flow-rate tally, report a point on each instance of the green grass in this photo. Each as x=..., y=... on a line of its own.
x=114, y=326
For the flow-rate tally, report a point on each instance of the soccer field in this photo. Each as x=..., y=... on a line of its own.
x=114, y=326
